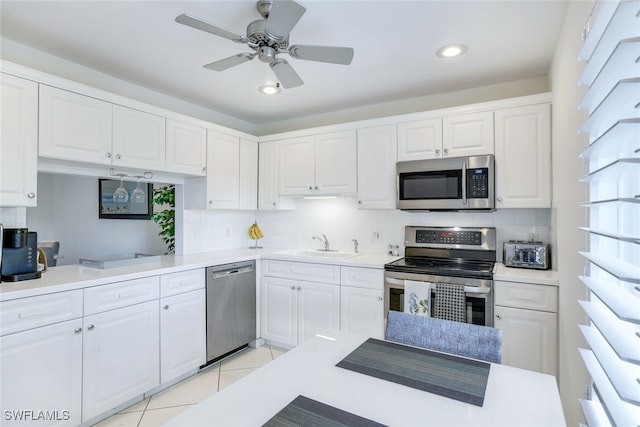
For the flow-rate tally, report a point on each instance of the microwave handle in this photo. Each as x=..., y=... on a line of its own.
x=464, y=183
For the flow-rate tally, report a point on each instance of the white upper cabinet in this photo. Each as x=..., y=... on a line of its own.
x=138, y=139
x=268, y=176
x=232, y=173
x=377, y=151
x=74, y=127
x=420, y=140
x=18, y=141
x=523, y=157
x=186, y=149
x=248, y=198
x=467, y=134
x=318, y=165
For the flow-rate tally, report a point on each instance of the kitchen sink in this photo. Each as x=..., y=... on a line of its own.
x=319, y=253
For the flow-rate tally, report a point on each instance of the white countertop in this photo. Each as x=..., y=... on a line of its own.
x=523, y=275
x=70, y=277
x=514, y=397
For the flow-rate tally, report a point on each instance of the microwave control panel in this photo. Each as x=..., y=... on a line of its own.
x=478, y=183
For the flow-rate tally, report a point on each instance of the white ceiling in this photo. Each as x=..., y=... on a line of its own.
x=394, y=42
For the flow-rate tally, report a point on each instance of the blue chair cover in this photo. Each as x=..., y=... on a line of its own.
x=463, y=339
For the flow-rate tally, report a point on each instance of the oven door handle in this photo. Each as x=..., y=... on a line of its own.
x=393, y=281
x=477, y=290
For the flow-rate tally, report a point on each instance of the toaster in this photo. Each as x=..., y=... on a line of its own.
x=523, y=254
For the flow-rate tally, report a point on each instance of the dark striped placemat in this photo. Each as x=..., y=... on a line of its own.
x=444, y=374
x=303, y=411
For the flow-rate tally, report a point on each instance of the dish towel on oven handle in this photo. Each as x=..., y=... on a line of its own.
x=417, y=298
x=450, y=302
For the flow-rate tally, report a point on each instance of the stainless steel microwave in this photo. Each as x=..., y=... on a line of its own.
x=451, y=184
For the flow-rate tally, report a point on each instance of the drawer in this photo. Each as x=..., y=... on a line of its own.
x=120, y=294
x=370, y=278
x=183, y=281
x=526, y=295
x=27, y=313
x=309, y=272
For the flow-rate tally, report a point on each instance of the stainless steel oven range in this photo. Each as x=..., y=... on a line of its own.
x=456, y=266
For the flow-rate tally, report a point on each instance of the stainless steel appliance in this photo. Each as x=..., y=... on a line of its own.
x=231, y=308
x=462, y=258
x=536, y=255
x=19, y=255
x=455, y=184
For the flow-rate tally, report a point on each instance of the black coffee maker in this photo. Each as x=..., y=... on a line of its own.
x=19, y=255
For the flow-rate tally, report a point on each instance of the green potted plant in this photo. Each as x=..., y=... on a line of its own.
x=165, y=198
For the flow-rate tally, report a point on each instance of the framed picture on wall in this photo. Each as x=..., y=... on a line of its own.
x=138, y=204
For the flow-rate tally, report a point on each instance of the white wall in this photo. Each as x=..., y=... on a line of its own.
x=341, y=221
x=68, y=212
x=568, y=193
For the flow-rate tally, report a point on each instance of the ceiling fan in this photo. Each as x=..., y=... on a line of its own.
x=269, y=37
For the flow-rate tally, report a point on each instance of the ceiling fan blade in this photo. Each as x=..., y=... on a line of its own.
x=286, y=74
x=199, y=24
x=229, y=62
x=284, y=15
x=334, y=55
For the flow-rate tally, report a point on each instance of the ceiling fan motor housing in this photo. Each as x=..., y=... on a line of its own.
x=258, y=36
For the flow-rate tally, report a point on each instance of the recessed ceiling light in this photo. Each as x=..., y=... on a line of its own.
x=270, y=89
x=451, y=50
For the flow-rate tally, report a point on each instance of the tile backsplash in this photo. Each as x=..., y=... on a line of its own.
x=341, y=221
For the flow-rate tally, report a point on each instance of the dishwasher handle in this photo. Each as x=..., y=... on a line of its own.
x=229, y=270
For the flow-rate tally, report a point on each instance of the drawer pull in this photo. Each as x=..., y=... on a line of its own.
x=77, y=330
x=499, y=316
x=166, y=307
x=91, y=327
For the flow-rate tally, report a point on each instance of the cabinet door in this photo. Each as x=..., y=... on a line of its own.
x=248, y=174
x=377, y=152
x=279, y=311
x=362, y=311
x=18, y=141
x=420, y=140
x=74, y=127
x=336, y=163
x=223, y=171
x=182, y=334
x=268, y=176
x=297, y=166
x=467, y=135
x=121, y=356
x=523, y=157
x=41, y=370
x=186, y=148
x=318, y=308
x=529, y=338
x=138, y=139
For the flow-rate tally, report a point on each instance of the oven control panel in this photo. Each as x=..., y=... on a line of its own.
x=473, y=238
x=476, y=238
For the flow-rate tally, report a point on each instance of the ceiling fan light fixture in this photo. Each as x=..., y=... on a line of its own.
x=451, y=50
x=270, y=89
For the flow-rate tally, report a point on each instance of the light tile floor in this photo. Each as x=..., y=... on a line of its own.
x=161, y=407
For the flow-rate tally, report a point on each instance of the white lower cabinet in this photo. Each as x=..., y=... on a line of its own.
x=120, y=357
x=527, y=315
x=362, y=311
x=295, y=310
x=182, y=333
x=41, y=371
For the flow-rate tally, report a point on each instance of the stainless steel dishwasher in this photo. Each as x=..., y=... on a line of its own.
x=231, y=308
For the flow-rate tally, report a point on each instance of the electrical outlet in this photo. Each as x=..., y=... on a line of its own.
x=376, y=236
x=227, y=232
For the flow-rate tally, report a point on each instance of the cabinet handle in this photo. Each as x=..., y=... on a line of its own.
x=446, y=151
x=77, y=330
x=499, y=316
x=316, y=188
x=204, y=169
x=91, y=327
x=166, y=307
x=274, y=204
x=438, y=151
x=118, y=156
x=299, y=288
x=379, y=298
x=31, y=195
x=108, y=155
x=293, y=288
x=310, y=188
x=499, y=198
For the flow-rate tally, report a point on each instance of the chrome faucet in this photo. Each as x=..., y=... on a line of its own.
x=355, y=245
x=323, y=240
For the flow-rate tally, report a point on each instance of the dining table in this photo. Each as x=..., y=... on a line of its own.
x=341, y=378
